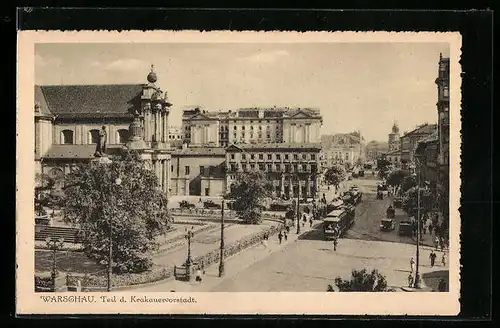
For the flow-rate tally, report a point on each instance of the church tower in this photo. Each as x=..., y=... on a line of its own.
x=394, y=138
x=149, y=130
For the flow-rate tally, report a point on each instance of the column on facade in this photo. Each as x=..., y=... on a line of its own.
x=164, y=175
x=290, y=189
x=282, y=184
x=308, y=186
x=165, y=127
x=147, y=127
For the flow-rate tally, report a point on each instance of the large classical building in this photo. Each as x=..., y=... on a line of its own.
x=375, y=150
x=68, y=119
x=251, y=126
x=342, y=148
x=292, y=168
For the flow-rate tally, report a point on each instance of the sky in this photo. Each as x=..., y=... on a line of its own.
x=357, y=86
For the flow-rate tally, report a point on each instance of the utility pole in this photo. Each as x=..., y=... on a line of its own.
x=298, y=206
x=417, y=274
x=221, y=260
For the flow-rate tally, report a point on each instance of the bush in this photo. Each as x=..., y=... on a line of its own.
x=44, y=283
x=122, y=280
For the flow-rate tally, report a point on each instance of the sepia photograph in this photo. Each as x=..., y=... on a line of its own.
x=286, y=166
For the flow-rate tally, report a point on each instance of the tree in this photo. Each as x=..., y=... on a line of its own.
x=410, y=201
x=136, y=210
x=408, y=182
x=397, y=177
x=249, y=194
x=362, y=281
x=335, y=175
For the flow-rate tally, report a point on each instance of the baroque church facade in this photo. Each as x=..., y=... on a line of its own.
x=68, y=119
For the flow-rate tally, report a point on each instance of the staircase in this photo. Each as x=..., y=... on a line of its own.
x=69, y=234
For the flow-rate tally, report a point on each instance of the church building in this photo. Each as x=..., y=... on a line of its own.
x=68, y=119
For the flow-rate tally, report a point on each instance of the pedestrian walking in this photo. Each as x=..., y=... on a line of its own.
x=412, y=265
x=436, y=242
x=310, y=222
x=285, y=235
x=432, y=257
x=443, y=259
x=335, y=243
x=280, y=236
x=441, y=244
x=199, y=278
x=410, y=280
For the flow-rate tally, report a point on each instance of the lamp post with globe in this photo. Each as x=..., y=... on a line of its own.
x=54, y=246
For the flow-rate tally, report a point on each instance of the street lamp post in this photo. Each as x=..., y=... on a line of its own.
x=189, y=261
x=118, y=182
x=54, y=246
x=298, y=206
x=417, y=274
x=221, y=259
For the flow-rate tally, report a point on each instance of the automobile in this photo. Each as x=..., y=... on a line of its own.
x=387, y=225
x=398, y=202
x=405, y=228
x=391, y=213
x=211, y=205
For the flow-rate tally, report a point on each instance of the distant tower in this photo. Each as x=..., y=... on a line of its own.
x=394, y=138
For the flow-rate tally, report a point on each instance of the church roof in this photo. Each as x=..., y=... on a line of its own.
x=77, y=151
x=200, y=151
x=89, y=101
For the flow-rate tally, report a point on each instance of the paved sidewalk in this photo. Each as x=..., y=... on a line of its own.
x=232, y=265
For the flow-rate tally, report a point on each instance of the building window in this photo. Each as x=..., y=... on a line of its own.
x=122, y=136
x=295, y=156
x=202, y=170
x=187, y=170
x=243, y=134
x=287, y=167
x=295, y=168
x=268, y=136
x=446, y=92
x=243, y=156
x=93, y=136
x=278, y=156
x=261, y=167
x=232, y=156
x=269, y=156
x=244, y=167
x=261, y=156
x=313, y=157
x=252, y=166
x=235, y=128
x=67, y=137
x=314, y=168
x=286, y=156
x=171, y=168
x=304, y=167
x=243, y=127
x=234, y=135
x=251, y=127
x=233, y=167
x=304, y=156
x=269, y=167
x=252, y=156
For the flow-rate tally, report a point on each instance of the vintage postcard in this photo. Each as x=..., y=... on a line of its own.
x=163, y=172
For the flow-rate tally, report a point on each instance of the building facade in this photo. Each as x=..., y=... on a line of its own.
x=342, y=148
x=409, y=142
x=251, y=126
x=375, y=150
x=394, y=143
x=174, y=133
x=198, y=171
x=68, y=119
x=292, y=168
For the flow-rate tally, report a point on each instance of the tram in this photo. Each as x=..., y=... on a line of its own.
x=337, y=222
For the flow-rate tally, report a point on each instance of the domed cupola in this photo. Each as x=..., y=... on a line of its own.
x=152, y=78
